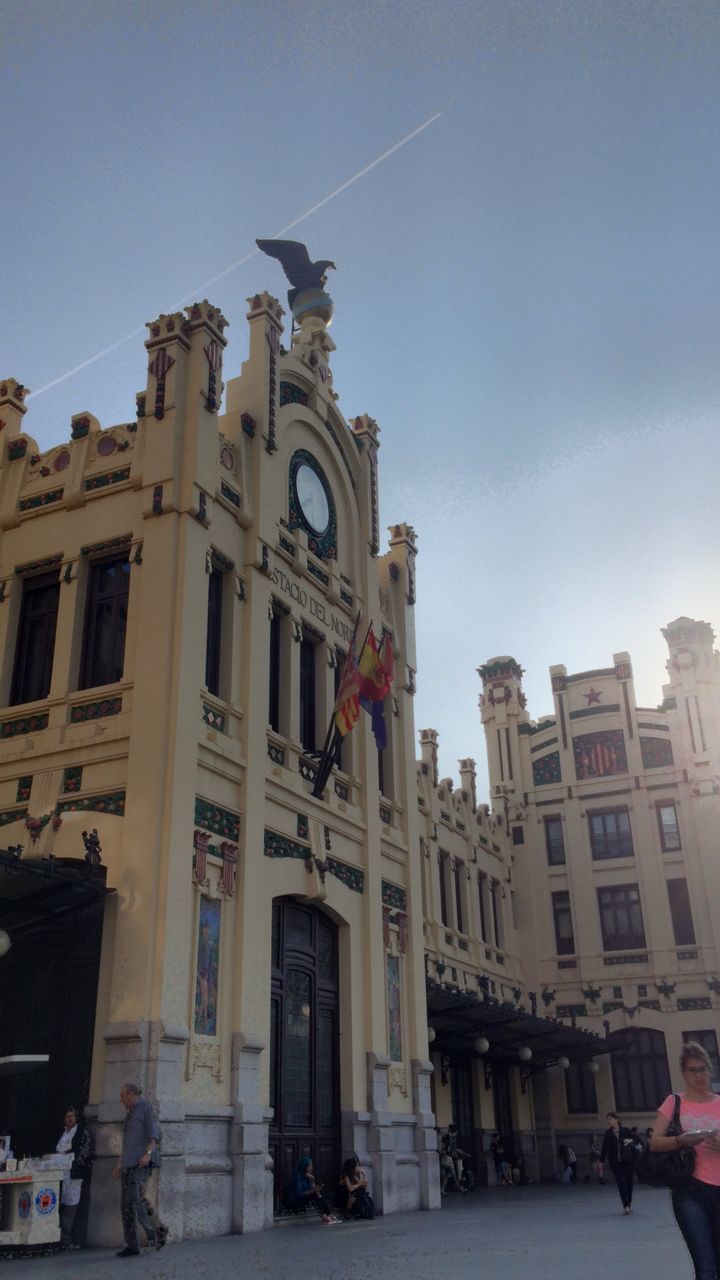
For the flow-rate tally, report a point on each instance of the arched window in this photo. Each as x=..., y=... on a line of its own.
x=641, y=1078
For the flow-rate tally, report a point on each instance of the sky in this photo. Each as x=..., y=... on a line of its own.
x=527, y=292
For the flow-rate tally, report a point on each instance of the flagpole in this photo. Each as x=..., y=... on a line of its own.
x=325, y=763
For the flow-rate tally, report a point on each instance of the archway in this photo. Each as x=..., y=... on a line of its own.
x=304, y=1044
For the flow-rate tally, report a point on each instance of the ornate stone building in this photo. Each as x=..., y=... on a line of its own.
x=178, y=594
x=610, y=813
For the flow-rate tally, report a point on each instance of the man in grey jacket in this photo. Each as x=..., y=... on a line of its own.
x=139, y=1145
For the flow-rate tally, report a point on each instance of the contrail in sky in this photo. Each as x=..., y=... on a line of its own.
x=241, y=261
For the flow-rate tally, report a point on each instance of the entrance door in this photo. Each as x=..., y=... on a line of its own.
x=304, y=1050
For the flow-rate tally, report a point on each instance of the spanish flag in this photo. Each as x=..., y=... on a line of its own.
x=374, y=680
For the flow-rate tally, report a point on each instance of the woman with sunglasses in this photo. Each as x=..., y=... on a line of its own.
x=696, y=1205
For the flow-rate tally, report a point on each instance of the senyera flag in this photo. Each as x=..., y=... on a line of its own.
x=347, y=702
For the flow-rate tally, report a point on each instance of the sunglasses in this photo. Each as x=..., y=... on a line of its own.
x=695, y=1071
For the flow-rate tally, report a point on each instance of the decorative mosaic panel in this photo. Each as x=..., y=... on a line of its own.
x=290, y=394
x=650, y=1004
x=394, y=1008
x=570, y=1011
x=351, y=877
x=599, y=755
x=213, y=718
x=72, y=779
x=39, y=500
x=110, y=802
x=26, y=724
x=24, y=787
x=12, y=815
x=547, y=769
x=37, y=566
x=109, y=544
x=656, y=752
x=276, y=846
x=220, y=821
x=303, y=830
x=95, y=710
x=394, y=896
x=206, y=980
x=102, y=482
x=689, y=1003
x=248, y=425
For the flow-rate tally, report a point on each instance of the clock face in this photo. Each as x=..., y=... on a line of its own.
x=312, y=498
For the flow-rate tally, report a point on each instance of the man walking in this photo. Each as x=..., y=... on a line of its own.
x=139, y=1144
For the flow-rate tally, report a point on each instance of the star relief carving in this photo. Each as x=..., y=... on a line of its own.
x=592, y=696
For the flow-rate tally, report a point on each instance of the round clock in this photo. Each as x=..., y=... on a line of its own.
x=312, y=498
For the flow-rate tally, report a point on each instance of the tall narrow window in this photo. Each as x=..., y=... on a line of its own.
x=495, y=899
x=621, y=918
x=214, y=632
x=562, y=916
x=459, y=876
x=105, y=622
x=482, y=887
x=340, y=751
x=554, y=840
x=639, y=1068
x=308, y=694
x=274, y=690
x=35, y=639
x=682, y=921
x=443, y=869
x=580, y=1089
x=668, y=824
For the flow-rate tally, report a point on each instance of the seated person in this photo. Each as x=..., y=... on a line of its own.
x=353, y=1197
x=306, y=1192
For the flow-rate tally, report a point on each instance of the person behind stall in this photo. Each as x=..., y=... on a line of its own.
x=75, y=1139
x=306, y=1193
x=353, y=1198
x=618, y=1152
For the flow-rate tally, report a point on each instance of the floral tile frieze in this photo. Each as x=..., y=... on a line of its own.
x=222, y=822
x=109, y=477
x=95, y=710
x=40, y=500
x=109, y=802
x=72, y=779
x=12, y=815
x=25, y=724
x=24, y=788
x=394, y=896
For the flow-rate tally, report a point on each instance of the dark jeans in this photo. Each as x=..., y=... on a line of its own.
x=697, y=1213
x=135, y=1207
x=624, y=1177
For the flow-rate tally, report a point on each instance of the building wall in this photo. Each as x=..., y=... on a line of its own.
x=596, y=755
x=196, y=799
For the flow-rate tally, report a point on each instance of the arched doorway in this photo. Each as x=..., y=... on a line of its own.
x=304, y=1047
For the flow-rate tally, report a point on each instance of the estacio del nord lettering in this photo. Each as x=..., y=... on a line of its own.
x=316, y=608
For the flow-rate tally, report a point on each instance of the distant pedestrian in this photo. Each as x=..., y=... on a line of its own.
x=594, y=1159
x=502, y=1167
x=617, y=1151
x=134, y=1167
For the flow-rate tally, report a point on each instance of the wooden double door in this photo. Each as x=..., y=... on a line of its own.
x=304, y=1045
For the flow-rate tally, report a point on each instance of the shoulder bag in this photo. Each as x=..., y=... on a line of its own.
x=669, y=1168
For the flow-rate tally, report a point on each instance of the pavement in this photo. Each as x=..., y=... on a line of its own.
x=504, y=1233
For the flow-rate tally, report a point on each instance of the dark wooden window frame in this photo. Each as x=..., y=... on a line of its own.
x=35, y=645
x=100, y=667
x=625, y=899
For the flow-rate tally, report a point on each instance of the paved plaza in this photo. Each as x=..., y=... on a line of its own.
x=529, y=1233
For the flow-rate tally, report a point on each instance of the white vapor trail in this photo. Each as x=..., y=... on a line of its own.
x=241, y=261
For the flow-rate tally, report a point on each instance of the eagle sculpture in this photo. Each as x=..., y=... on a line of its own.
x=295, y=262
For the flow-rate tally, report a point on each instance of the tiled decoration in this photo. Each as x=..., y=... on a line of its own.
x=657, y=753
x=109, y=802
x=220, y=821
x=599, y=755
x=547, y=769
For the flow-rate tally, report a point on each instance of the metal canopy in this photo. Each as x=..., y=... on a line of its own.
x=34, y=892
x=18, y=1063
x=460, y=1017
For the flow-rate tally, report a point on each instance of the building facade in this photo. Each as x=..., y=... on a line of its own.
x=178, y=596
x=610, y=813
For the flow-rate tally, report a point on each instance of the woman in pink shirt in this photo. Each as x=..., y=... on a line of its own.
x=697, y=1204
